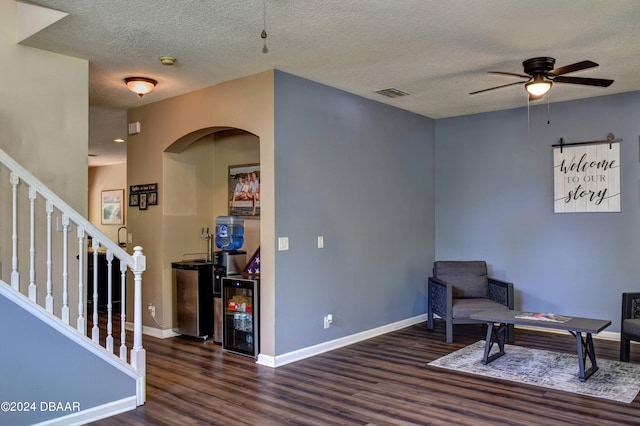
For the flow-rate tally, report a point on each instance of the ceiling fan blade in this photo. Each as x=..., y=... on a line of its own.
x=586, y=81
x=511, y=74
x=578, y=66
x=497, y=87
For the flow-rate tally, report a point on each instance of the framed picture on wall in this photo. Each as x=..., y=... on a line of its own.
x=152, y=198
x=244, y=190
x=112, y=211
x=143, y=201
x=133, y=200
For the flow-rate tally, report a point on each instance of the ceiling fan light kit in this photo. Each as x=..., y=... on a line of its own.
x=140, y=85
x=539, y=86
x=540, y=76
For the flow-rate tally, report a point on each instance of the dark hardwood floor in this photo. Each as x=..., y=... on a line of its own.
x=382, y=381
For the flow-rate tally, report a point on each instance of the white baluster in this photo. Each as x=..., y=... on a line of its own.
x=138, y=354
x=95, y=331
x=49, y=298
x=15, y=276
x=32, y=245
x=65, y=268
x=109, y=340
x=123, y=315
x=81, y=326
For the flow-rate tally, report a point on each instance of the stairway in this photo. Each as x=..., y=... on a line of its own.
x=55, y=365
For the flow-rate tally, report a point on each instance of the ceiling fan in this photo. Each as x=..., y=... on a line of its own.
x=540, y=76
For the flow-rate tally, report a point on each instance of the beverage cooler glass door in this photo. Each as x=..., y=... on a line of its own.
x=240, y=303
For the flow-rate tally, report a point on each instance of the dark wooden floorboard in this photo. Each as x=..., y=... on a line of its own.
x=383, y=381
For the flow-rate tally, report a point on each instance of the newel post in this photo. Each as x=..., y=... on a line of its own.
x=138, y=355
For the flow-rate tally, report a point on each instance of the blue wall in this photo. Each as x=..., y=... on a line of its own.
x=361, y=174
x=494, y=201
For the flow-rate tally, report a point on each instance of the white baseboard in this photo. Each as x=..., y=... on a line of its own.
x=310, y=351
x=154, y=332
x=83, y=417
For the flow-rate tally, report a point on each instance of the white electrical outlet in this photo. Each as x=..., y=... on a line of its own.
x=328, y=320
x=320, y=241
x=152, y=310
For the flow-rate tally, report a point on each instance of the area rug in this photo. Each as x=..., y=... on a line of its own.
x=615, y=380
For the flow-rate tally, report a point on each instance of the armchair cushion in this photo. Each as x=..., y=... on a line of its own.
x=470, y=277
x=631, y=326
x=464, y=308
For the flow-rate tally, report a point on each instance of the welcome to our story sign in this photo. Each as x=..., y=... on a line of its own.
x=587, y=178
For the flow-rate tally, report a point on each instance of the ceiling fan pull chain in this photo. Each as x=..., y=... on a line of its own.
x=263, y=35
x=528, y=119
x=548, y=107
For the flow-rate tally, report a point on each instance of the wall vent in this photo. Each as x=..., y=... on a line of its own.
x=392, y=92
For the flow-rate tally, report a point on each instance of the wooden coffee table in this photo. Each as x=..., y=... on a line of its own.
x=498, y=320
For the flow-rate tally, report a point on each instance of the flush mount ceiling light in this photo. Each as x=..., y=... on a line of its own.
x=140, y=85
x=538, y=86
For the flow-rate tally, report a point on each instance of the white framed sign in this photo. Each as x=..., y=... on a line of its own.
x=587, y=178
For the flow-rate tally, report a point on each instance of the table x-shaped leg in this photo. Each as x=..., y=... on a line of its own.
x=494, y=335
x=585, y=348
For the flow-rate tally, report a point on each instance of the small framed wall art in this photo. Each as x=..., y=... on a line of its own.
x=112, y=211
x=143, y=201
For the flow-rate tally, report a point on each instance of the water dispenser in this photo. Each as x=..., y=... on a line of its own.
x=229, y=237
x=229, y=232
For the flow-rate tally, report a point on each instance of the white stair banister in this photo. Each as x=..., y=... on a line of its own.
x=15, y=276
x=95, y=331
x=32, y=244
x=138, y=355
x=49, y=297
x=57, y=266
x=109, y=341
x=123, y=309
x=65, y=268
x=81, y=325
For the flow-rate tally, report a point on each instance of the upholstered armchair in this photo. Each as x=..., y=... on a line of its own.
x=630, y=325
x=459, y=289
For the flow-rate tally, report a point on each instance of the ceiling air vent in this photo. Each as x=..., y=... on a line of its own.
x=391, y=92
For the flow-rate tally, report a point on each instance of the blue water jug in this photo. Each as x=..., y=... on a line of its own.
x=229, y=232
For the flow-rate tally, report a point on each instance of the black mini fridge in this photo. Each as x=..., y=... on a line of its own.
x=240, y=301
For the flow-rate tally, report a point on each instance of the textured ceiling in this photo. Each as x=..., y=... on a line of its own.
x=438, y=51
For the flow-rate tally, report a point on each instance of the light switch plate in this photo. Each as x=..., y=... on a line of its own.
x=283, y=243
x=59, y=226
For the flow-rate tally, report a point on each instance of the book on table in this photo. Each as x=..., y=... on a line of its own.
x=540, y=316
